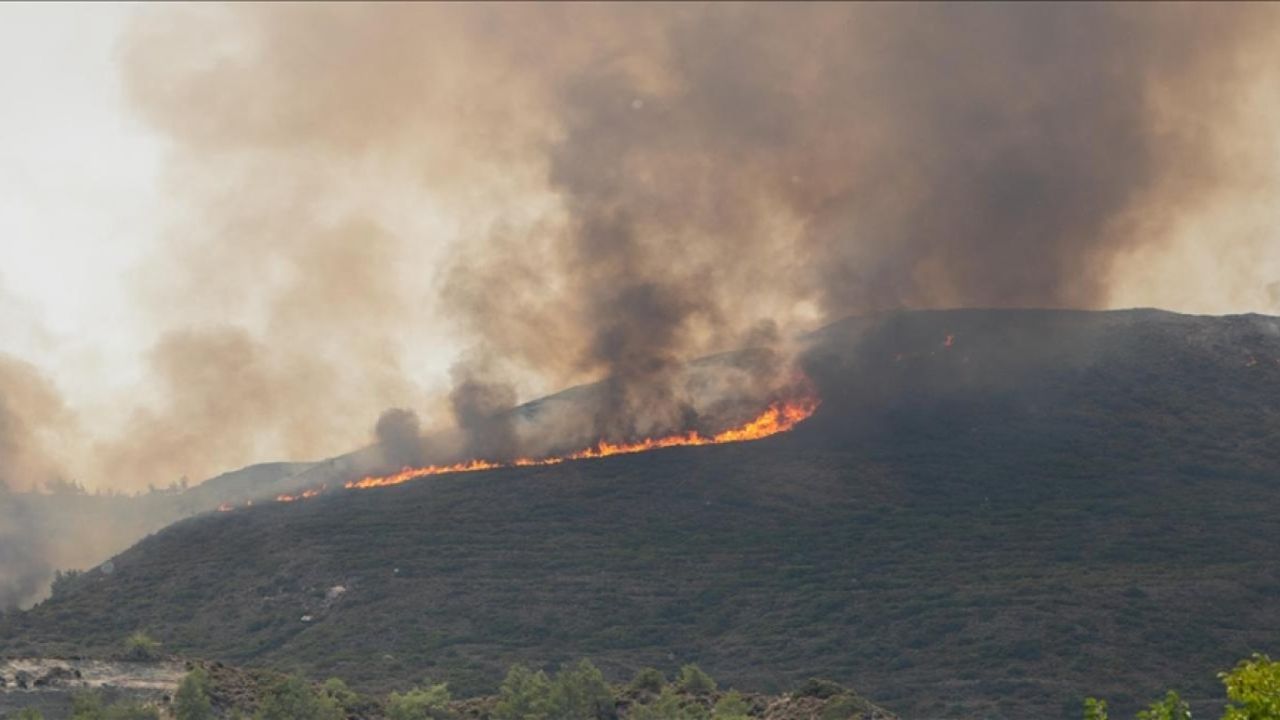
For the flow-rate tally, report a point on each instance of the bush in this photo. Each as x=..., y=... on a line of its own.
x=693, y=680
x=1170, y=708
x=28, y=714
x=293, y=699
x=344, y=697
x=141, y=646
x=430, y=703
x=845, y=706
x=192, y=699
x=1095, y=709
x=650, y=679
x=580, y=693
x=730, y=706
x=669, y=706
x=525, y=695
x=1253, y=689
x=819, y=688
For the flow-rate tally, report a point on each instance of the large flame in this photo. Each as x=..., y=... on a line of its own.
x=777, y=418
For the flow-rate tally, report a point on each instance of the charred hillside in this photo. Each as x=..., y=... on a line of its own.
x=991, y=514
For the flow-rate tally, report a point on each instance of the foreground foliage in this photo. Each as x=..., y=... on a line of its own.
x=1253, y=693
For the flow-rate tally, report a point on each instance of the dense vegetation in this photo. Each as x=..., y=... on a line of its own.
x=1051, y=502
x=577, y=692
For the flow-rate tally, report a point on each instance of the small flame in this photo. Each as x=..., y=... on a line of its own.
x=304, y=495
x=777, y=418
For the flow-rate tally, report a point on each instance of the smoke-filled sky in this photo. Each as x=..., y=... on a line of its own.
x=243, y=232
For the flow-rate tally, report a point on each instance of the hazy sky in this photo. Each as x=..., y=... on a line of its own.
x=111, y=204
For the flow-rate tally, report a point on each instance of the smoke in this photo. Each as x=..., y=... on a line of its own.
x=604, y=191
x=400, y=437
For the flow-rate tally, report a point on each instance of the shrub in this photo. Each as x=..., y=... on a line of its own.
x=1171, y=707
x=819, y=688
x=845, y=706
x=141, y=646
x=730, y=706
x=669, y=706
x=1253, y=689
x=580, y=693
x=192, y=699
x=650, y=679
x=28, y=714
x=131, y=711
x=293, y=699
x=342, y=696
x=693, y=680
x=1095, y=709
x=524, y=695
x=429, y=703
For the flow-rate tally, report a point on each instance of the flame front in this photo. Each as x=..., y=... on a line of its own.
x=777, y=418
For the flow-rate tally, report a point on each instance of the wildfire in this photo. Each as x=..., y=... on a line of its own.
x=777, y=418
x=304, y=495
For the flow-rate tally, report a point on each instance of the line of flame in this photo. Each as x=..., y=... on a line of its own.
x=777, y=418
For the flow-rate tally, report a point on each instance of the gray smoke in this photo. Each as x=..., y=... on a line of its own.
x=399, y=434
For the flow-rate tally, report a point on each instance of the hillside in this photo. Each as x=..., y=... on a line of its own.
x=991, y=514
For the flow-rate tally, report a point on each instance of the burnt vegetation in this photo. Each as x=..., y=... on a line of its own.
x=991, y=514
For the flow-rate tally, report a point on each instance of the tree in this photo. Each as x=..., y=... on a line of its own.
x=693, y=680
x=580, y=693
x=192, y=699
x=141, y=646
x=1171, y=707
x=649, y=679
x=1253, y=689
x=293, y=699
x=669, y=706
x=429, y=703
x=1095, y=709
x=730, y=706
x=524, y=695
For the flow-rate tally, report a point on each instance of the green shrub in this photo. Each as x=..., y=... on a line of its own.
x=669, y=706
x=1171, y=707
x=141, y=646
x=293, y=699
x=131, y=711
x=429, y=703
x=730, y=706
x=28, y=714
x=342, y=696
x=1095, y=709
x=580, y=693
x=524, y=695
x=693, y=680
x=819, y=688
x=1253, y=689
x=844, y=706
x=649, y=679
x=192, y=699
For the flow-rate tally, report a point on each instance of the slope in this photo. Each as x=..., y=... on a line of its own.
x=992, y=513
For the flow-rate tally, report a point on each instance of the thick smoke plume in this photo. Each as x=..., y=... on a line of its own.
x=599, y=192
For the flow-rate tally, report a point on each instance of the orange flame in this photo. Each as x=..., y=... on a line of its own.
x=304, y=495
x=777, y=418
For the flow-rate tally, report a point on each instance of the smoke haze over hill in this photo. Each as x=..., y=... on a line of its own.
x=544, y=195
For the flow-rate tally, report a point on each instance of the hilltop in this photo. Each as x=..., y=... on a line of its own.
x=991, y=514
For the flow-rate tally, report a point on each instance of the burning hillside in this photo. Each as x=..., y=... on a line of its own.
x=779, y=417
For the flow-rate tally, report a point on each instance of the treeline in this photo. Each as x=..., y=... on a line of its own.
x=576, y=692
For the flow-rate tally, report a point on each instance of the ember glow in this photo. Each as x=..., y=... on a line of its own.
x=777, y=418
x=304, y=495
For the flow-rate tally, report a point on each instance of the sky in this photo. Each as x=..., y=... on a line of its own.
x=165, y=172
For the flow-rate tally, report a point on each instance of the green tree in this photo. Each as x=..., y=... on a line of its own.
x=141, y=646
x=344, y=697
x=1095, y=709
x=293, y=699
x=580, y=693
x=669, y=705
x=693, y=680
x=28, y=714
x=429, y=703
x=524, y=695
x=1253, y=689
x=730, y=706
x=1171, y=707
x=649, y=679
x=192, y=699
